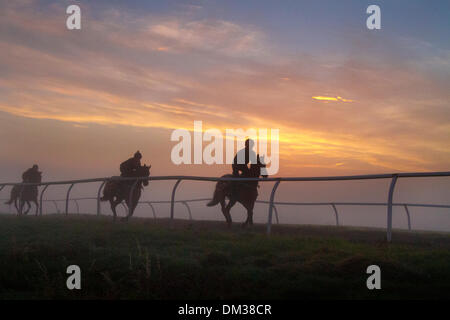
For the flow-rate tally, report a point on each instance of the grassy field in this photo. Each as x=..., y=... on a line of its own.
x=156, y=259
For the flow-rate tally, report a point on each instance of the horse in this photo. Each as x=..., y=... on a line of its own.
x=116, y=191
x=22, y=195
x=245, y=192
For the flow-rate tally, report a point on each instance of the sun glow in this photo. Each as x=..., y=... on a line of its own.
x=338, y=98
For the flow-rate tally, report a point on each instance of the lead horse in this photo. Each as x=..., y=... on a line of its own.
x=23, y=194
x=245, y=192
x=116, y=191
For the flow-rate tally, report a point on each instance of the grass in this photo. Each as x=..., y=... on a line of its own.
x=156, y=259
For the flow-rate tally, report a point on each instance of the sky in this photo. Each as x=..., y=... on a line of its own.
x=346, y=100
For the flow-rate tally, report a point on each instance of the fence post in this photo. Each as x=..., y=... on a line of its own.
x=172, y=201
x=189, y=209
x=41, y=203
x=130, y=198
x=276, y=214
x=1, y=187
x=336, y=214
x=67, y=198
x=389, y=207
x=153, y=209
x=272, y=196
x=407, y=215
x=98, y=197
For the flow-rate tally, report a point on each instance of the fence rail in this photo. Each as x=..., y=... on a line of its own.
x=272, y=203
x=333, y=205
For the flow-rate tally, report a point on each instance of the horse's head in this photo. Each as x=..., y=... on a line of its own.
x=255, y=168
x=144, y=171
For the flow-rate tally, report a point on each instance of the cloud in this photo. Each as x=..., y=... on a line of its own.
x=221, y=37
x=322, y=98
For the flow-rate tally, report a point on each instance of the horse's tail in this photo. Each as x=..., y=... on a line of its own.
x=14, y=195
x=215, y=200
x=108, y=191
x=218, y=194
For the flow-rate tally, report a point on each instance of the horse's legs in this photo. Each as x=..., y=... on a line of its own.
x=222, y=203
x=134, y=202
x=21, y=205
x=226, y=211
x=249, y=204
x=37, y=206
x=250, y=207
x=131, y=208
x=17, y=207
x=114, y=204
x=249, y=221
x=29, y=206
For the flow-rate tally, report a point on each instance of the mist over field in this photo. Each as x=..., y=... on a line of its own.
x=59, y=162
x=408, y=190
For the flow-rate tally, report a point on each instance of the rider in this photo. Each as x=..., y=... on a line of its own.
x=30, y=174
x=128, y=167
x=243, y=158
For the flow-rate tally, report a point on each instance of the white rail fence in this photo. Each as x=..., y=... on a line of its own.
x=271, y=203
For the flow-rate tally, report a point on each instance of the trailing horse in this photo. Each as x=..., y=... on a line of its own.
x=22, y=195
x=244, y=192
x=116, y=191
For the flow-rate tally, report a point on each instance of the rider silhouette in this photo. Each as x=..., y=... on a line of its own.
x=243, y=158
x=30, y=174
x=128, y=167
x=240, y=163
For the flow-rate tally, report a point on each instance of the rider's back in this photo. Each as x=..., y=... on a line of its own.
x=31, y=175
x=128, y=166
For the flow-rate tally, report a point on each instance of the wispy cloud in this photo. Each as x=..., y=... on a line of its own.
x=221, y=37
x=323, y=98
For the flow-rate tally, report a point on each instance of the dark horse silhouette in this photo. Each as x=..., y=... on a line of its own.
x=22, y=195
x=244, y=192
x=116, y=191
